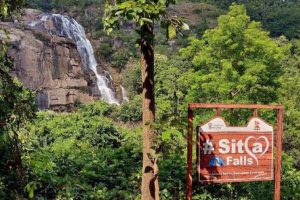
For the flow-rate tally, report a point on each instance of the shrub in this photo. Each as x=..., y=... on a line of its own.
x=120, y=58
x=132, y=110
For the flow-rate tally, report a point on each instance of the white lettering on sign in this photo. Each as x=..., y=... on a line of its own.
x=242, y=160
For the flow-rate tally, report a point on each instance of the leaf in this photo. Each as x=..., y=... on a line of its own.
x=185, y=27
x=31, y=194
x=119, y=12
x=171, y=32
x=167, y=134
x=126, y=4
x=4, y=10
x=147, y=20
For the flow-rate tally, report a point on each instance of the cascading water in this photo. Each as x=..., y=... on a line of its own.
x=68, y=27
x=124, y=93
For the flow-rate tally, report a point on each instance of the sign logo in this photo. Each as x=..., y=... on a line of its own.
x=234, y=154
x=215, y=162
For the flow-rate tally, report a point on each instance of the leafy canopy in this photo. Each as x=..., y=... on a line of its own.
x=236, y=62
x=142, y=12
x=280, y=17
x=17, y=104
x=81, y=155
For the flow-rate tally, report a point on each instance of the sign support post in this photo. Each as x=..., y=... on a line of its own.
x=189, y=178
x=279, y=110
x=278, y=153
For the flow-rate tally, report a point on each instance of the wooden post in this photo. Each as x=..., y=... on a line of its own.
x=198, y=152
x=255, y=113
x=189, y=178
x=278, y=153
x=218, y=112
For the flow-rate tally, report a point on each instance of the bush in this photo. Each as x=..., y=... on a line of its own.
x=132, y=79
x=120, y=58
x=98, y=108
x=132, y=110
x=81, y=155
x=105, y=50
x=45, y=5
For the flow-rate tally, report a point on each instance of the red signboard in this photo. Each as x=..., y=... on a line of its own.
x=235, y=154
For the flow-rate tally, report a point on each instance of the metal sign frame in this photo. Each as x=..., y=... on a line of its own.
x=255, y=107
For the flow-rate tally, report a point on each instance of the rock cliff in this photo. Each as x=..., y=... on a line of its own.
x=48, y=64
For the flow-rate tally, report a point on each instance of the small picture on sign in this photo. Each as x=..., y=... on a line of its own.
x=216, y=162
x=256, y=126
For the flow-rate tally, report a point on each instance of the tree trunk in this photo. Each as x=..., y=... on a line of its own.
x=17, y=160
x=150, y=187
x=18, y=163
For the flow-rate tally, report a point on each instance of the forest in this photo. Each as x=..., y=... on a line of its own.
x=208, y=51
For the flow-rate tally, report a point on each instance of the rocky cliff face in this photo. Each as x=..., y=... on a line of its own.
x=48, y=64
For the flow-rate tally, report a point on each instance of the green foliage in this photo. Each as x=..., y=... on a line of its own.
x=16, y=102
x=17, y=105
x=236, y=62
x=120, y=58
x=131, y=111
x=289, y=95
x=132, y=79
x=142, y=12
x=171, y=87
x=98, y=109
x=290, y=179
x=7, y=7
x=172, y=170
x=79, y=3
x=105, y=50
x=81, y=155
x=277, y=16
x=47, y=5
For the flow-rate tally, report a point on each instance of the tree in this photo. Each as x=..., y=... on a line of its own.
x=236, y=62
x=289, y=95
x=81, y=155
x=170, y=88
x=278, y=16
x=144, y=13
x=17, y=104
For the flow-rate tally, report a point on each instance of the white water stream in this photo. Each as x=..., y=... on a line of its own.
x=68, y=27
x=124, y=93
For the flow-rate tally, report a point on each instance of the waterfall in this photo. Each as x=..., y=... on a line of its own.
x=68, y=27
x=124, y=93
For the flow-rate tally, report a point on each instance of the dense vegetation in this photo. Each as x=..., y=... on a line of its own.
x=280, y=17
x=95, y=151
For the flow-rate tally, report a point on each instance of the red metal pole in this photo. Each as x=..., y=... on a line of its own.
x=278, y=153
x=198, y=152
x=220, y=105
x=255, y=113
x=189, y=177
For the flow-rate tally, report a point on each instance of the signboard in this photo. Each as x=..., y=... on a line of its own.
x=235, y=154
